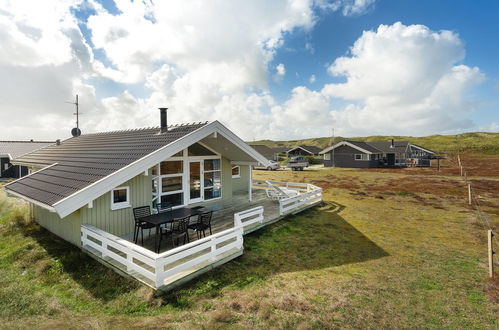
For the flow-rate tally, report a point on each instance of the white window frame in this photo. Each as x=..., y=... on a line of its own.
x=327, y=156
x=208, y=187
x=185, y=177
x=120, y=205
x=363, y=157
x=238, y=175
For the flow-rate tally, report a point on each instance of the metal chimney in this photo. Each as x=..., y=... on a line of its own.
x=164, y=124
x=393, y=144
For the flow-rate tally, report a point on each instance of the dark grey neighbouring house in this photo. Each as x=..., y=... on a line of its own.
x=303, y=151
x=357, y=154
x=265, y=151
x=9, y=150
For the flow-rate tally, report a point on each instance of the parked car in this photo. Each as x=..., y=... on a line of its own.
x=297, y=163
x=272, y=166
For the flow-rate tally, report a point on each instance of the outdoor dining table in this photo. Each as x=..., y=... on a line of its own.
x=159, y=219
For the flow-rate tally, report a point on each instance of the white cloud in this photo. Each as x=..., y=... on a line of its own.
x=348, y=7
x=280, y=71
x=492, y=127
x=404, y=80
x=208, y=62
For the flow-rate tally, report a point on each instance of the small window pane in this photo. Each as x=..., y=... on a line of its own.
x=212, y=179
x=119, y=196
x=198, y=150
x=171, y=167
x=154, y=171
x=173, y=200
x=211, y=193
x=171, y=184
x=211, y=164
x=235, y=171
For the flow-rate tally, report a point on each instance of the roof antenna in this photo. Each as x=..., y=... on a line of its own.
x=76, y=131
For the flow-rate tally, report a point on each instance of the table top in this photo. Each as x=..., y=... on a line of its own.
x=161, y=218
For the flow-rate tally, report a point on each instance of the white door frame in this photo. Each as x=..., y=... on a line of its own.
x=201, y=182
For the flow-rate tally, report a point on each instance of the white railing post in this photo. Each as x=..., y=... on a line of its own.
x=158, y=270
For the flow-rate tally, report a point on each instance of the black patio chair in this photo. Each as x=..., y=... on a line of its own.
x=140, y=212
x=178, y=231
x=203, y=223
x=164, y=208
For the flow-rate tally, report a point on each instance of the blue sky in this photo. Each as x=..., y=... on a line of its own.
x=476, y=22
x=284, y=69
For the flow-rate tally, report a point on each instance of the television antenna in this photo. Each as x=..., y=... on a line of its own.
x=76, y=131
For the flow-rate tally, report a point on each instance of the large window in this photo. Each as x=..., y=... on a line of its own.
x=327, y=156
x=120, y=198
x=168, y=183
x=212, y=179
x=190, y=176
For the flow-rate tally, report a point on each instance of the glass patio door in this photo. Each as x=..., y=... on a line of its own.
x=195, y=182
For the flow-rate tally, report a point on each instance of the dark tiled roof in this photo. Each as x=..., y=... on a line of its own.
x=312, y=149
x=264, y=150
x=385, y=146
x=19, y=148
x=365, y=146
x=88, y=158
x=280, y=149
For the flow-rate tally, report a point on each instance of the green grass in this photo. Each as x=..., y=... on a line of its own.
x=479, y=142
x=366, y=259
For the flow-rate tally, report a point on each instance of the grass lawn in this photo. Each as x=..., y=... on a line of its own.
x=387, y=250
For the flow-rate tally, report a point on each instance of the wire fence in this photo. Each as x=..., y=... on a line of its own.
x=474, y=197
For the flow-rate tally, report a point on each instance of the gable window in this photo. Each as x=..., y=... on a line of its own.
x=236, y=172
x=120, y=198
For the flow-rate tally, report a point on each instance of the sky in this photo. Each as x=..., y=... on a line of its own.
x=265, y=69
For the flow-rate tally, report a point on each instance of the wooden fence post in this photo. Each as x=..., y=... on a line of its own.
x=469, y=194
x=491, y=254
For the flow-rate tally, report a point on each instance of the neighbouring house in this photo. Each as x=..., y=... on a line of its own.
x=358, y=154
x=85, y=188
x=303, y=151
x=10, y=150
x=265, y=151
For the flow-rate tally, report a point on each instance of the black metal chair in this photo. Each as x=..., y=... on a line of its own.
x=204, y=223
x=140, y=212
x=164, y=208
x=178, y=231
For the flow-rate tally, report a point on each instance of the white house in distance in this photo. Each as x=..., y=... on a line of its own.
x=85, y=188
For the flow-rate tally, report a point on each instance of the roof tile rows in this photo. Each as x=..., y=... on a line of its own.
x=86, y=159
x=16, y=149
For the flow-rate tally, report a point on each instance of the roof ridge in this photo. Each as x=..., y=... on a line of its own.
x=147, y=128
x=11, y=141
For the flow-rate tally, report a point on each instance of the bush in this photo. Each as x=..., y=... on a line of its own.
x=314, y=160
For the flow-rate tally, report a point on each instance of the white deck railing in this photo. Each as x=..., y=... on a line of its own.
x=157, y=268
x=249, y=217
x=165, y=268
x=308, y=195
x=312, y=196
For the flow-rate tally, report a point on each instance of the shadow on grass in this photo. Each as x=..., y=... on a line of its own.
x=100, y=281
x=315, y=239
